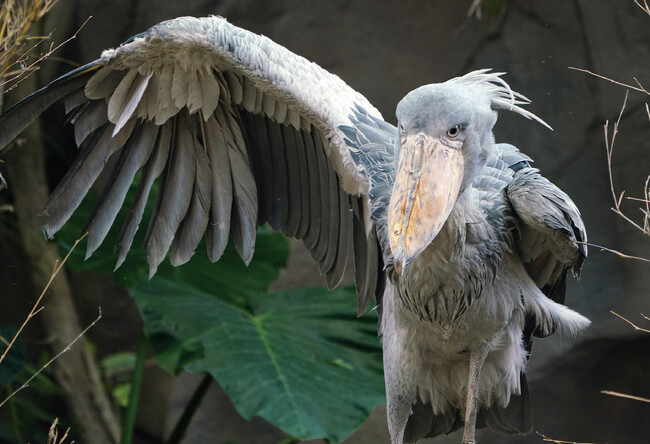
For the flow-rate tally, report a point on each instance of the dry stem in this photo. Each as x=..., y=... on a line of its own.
x=623, y=395
x=609, y=146
x=639, y=87
x=636, y=327
x=36, y=309
x=53, y=435
x=14, y=78
x=645, y=8
x=558, y=441
x=616, y=252
x=67, y=348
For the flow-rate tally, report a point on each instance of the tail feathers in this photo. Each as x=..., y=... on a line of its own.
x=19, y=116
x=424, y=424
x=514, y=419
x=550, y=315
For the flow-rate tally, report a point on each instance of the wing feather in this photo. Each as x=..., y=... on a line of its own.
x=89, y=119
x=174, y=195
x=280, y=180
x=194, y=224
x=244, y=221
x=219, y=227
x=75, y=100
x=103, y=83
x=303, y=187
x=318, y=253
x=93, y=155
x=311, y=235
x=166, y=106
x=555, y=222
x=292, y=223
x=152, y=169
x=132, y=157
x=126, y=98
x=16, y=119
x=549, y=240
x=334, y=225
x=194, y=92
x=239, y=131
x=210, y=91
x=335, y=274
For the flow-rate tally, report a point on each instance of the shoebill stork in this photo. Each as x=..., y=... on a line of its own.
x=462, y=244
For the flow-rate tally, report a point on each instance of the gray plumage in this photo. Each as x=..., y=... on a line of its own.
x=463, y=245
x=219, y=225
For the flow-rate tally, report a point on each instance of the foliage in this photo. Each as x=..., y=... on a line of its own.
x=30, y=413
x=299, y=358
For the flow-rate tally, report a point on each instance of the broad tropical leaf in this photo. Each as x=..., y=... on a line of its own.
x=299, y=358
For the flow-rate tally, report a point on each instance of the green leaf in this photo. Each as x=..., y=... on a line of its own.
x=118, y=362
x=230, y=279
x=121, y=394
x=300, y=359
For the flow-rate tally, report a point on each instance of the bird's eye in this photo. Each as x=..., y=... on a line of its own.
x=454, y=132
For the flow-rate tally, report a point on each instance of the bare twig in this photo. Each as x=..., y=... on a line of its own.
x=645, y=8
x=639, y=87
x=558, y=441
x=53, y=435
x=609, y=143
x=67, y=348
x=28, y=70
x=475, y=9
x=616, y=252
x=609, y=146
x=636, y=327
x=623, y=395
x=37, y=308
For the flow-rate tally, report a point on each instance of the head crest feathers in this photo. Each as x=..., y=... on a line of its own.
x=500, y=94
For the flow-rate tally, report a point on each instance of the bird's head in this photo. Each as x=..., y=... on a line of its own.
x=444, y=139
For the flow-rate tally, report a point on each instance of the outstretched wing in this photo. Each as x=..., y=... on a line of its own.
x=240, y=132
x=550, y=236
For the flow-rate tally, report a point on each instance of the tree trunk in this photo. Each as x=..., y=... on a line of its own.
x=75, y=371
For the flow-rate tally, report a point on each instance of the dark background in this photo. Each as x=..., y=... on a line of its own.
x=384, y=49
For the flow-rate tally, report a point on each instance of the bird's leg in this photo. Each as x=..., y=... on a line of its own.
x=476, y=359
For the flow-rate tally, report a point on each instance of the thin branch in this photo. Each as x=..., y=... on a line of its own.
x=609, y=147
x=32, y=67
x=623, y=395
x=639, y=88
x=53, y=435
x=636, y=327
x=645, y=8
x=558, y=441
x=616, y=252
x=67, y=348
x=36, y=309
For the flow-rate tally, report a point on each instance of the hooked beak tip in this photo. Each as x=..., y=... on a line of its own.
x=398, y=267
x=401, y=264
